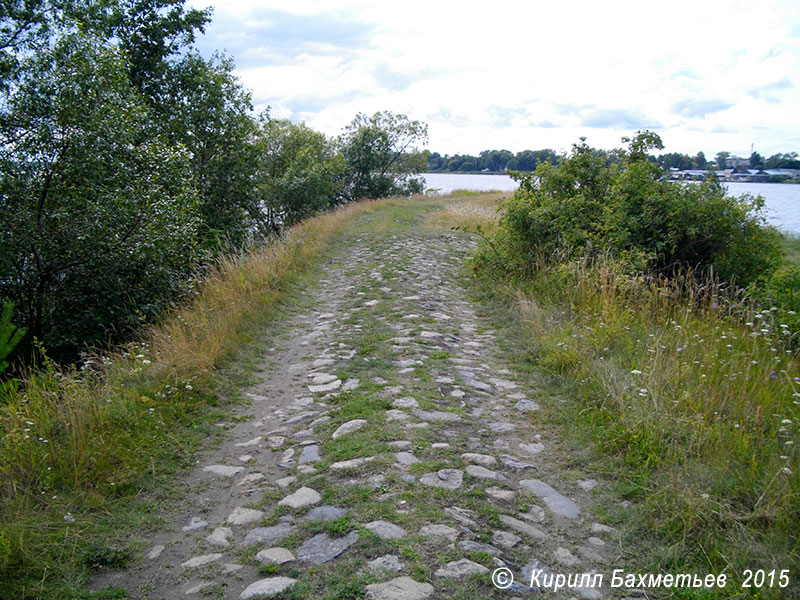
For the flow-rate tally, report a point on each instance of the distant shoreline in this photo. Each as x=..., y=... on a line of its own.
x=788, y=181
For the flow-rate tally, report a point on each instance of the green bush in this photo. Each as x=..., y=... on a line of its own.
x=10, y=335
x=620, y=203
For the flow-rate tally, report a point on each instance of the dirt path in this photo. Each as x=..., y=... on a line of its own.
x=388, y=453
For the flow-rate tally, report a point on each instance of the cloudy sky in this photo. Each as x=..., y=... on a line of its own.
x=705, y=75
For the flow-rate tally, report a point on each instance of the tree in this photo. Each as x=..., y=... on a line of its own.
x=209, y=114
x=700, y=161
x=722, y=160
x=789, y=160
x=149, y=32
x=97, y=224
x=624, y=206
x=756, y=161
x=300, y=172
x=382, y=156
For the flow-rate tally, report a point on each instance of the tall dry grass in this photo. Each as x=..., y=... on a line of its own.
x=694, y=397
x=78, y=446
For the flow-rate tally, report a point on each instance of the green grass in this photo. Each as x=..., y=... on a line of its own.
x=694, y=413
x=791, y=247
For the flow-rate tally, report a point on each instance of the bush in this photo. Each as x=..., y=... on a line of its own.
x=97, y=222
x=619, y=203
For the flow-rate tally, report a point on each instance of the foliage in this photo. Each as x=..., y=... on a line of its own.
x=789, y=160
x=497, y=161
x=300, y=172
x=149, y=32
x=96, y=217
x=619, y=202
x=661, y=374
x=381, y=155
x=10, y=335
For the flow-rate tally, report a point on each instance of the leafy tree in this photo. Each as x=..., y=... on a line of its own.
x=700, y=161
x=756, y=161
x=96, y=213
x=435, y=161
x=24, y=26
x=209, y=114
x=300, y=172
x=382, y=157
x=10, y=335
x=588, y=200
x=722, y=160
x=788, y=160
x=149, y=32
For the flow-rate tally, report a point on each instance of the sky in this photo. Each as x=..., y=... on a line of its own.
x=705, y=75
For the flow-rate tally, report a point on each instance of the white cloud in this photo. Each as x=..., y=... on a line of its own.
x=528, y=75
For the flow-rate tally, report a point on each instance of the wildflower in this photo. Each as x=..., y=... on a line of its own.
x=705, y=496
x=636, y=372
x=786, y=422
x=786, y=471
x=145, y=362
x=69, y=518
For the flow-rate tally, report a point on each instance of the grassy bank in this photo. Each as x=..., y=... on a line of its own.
x=692, y=411
x=791, y=247
x=79, y=448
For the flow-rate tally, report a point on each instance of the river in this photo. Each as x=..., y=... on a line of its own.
x=782, y=200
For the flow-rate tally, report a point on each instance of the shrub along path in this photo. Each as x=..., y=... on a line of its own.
x=388, y=452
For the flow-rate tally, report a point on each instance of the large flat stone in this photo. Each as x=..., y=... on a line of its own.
x=321, y=548
x=349, y=427
x=460, y=568
x=386, y=530
x=556, y=502
x=326, y=513
x=275, y=556
x=436, y=415
x=220, y=537
x=436, y=530
x=328, y=387
x=223, y=470
x=309, y=454
x=305, y=496
x=402, y=588
x=353, y=463
x=449, y=479
x=267, y=588
x=523, y=527
x=405, y=458
x=473, y=546
x=405, y=402
x=481, y=459
x=243, y=516
x=268, y=535
x=387, y=562
x=480, y=472
x=200, y=561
